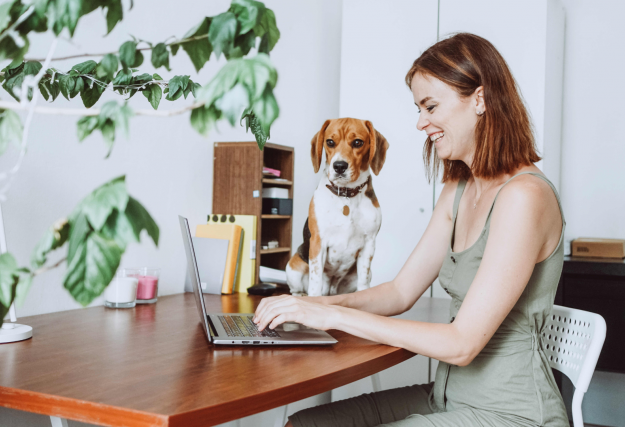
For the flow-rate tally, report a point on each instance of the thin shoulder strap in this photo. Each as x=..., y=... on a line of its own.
x=544, y=178
x=459, y=190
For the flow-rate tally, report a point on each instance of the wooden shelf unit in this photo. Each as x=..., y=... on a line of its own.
x=237, y=175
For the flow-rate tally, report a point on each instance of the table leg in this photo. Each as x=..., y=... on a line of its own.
x=281, y=416
x=375, y=379
x=58, y=422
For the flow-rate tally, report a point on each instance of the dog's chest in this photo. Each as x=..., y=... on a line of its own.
x=345, y=235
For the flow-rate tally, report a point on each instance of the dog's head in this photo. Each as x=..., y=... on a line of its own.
x=351, y=147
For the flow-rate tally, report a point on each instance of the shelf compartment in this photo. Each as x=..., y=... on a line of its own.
x=274, y=250
x=267, y=216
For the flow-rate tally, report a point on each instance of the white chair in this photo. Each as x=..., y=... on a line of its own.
x=572, y=340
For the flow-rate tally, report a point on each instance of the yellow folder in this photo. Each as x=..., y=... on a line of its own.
x=247, y=261
x=232, y=233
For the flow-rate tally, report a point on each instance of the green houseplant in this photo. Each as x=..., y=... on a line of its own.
x=97, y=232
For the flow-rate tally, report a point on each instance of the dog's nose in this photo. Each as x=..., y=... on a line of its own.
x=340, y=166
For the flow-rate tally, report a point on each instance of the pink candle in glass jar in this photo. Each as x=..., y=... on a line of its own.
x=147, y=288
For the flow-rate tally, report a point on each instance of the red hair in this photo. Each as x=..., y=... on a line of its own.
x=504, y=139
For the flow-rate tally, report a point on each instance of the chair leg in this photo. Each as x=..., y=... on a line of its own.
x=375, y=379
x=58, y=422
x=281, y=417
x=576, y=408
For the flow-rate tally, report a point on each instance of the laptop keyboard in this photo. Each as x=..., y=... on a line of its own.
x=242, y=326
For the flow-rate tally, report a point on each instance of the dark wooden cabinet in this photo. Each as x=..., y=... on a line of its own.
x=598, y=285
x=238, y=189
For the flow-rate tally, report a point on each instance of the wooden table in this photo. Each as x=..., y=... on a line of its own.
x=152, y=365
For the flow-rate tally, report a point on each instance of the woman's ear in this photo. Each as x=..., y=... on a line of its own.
x=316, y=146
x=480, y=105
x=377, y=148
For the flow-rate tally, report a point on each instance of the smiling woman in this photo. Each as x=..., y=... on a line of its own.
x=495, y=242
x=471, y=66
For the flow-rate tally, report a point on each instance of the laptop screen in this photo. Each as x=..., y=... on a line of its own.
x=194, y=275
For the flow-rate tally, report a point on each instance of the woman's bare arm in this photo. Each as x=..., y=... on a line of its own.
x=521, y=224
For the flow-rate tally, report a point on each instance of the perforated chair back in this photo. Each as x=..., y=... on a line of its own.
x=572, y=340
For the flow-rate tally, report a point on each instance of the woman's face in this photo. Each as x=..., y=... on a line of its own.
x=448, y=119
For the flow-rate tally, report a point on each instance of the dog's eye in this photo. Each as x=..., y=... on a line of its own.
x=357, y=143
x=330, y=143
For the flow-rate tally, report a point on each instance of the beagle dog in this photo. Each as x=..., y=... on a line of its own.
x=344, y=216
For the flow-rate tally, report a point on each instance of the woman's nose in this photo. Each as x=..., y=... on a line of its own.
x=422, y=123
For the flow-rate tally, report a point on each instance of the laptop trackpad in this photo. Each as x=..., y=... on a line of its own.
x=292, y=326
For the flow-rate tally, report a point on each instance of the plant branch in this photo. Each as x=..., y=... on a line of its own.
x=94, y=112
x=48, y=267
x=84, y=55
x=19, y=20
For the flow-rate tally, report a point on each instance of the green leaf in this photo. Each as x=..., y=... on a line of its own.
x=138, y=59
x=247, y=12
x=156, y=77
x=122, y=119
x=222, y=32
x=25, y=280
x=268, y=31
x=119, y=228
x=140, y=220
x=10, y=129
x=85, y=67
x=54, y=238
x=204, y=119
x=243, y=44
x=5, y=17
x=66, y=84
x=199, y=51
x=107, y=66
x=233, y=102
x=266, y=109
x=176, y=86
x=123, y=77
x=86, y=126
x=91, y=95
x=49, y=89
x=79, y=85
x=8, y=279
x=174, y=48
x=127, y=54
x=258, y=131
x=31, y=68
x=154, y=94
x=93, y=268
x=160, y=56
x=79, y=228
x=194, y=88
x=100, y=203
x=114, y=14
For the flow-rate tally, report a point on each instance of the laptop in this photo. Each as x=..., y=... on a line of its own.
x=238, y=328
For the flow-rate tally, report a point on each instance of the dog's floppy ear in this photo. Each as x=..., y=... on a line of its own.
x=316, y=146
x=377, y=148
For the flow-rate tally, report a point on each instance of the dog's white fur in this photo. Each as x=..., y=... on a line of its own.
x=347, y=243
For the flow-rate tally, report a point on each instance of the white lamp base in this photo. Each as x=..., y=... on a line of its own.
x=15, y=333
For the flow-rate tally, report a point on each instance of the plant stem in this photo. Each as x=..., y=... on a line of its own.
x=84, y=55
x=94, y=112
x=48, y=267
x=19, y=20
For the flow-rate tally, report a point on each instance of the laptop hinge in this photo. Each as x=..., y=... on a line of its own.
x=213, y=329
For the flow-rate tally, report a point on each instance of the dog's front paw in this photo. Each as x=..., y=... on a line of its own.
x=299, y=294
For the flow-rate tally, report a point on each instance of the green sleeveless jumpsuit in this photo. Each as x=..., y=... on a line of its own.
x=509, y=383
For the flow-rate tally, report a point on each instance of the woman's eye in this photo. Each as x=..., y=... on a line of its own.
x=431, y=107
x=330, y=143
x=357, y=143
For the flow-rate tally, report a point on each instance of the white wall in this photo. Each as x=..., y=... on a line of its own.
x=593, y=155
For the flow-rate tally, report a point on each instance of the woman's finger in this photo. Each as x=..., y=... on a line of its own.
x=271, y=315
x=276, y=302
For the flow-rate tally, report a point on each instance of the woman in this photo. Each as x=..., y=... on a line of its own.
x=495, y=241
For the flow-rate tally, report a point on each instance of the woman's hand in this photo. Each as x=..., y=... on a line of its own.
x=275, y=311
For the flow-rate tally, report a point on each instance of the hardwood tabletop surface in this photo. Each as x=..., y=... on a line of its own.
x=153, y=366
